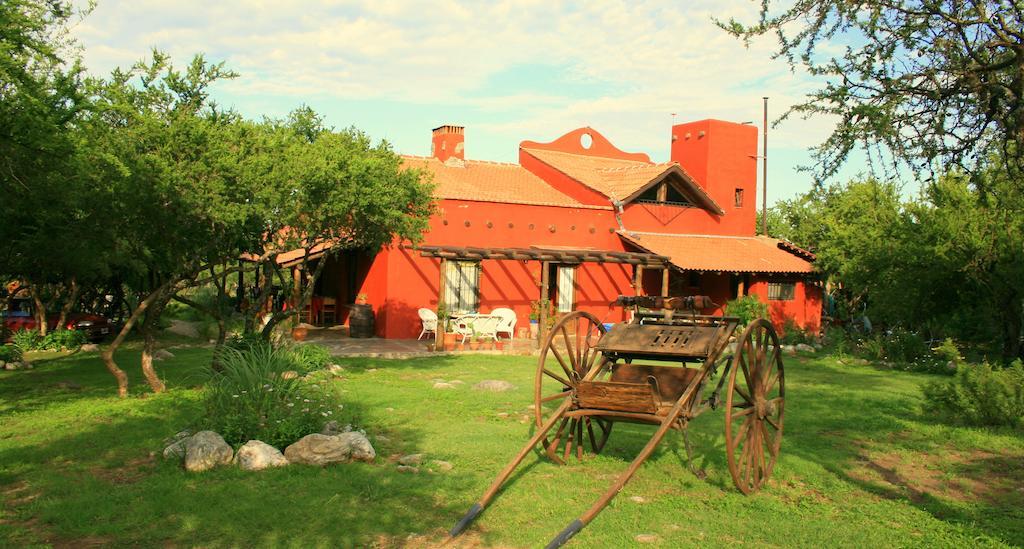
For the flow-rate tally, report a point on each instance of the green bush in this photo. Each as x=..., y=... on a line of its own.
x=26, y=340
x=793, y=334
x=60, y=340
x=250, y=398
x=746, y=308
x=905, y=346
x=308, y=357
x=10, y=353
x=243, y=342
x=948, y=351
x=980, y=395
x=872, y=348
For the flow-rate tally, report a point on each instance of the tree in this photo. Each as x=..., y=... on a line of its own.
x=931, y=84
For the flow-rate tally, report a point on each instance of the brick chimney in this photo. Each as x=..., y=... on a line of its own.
x=448, y=141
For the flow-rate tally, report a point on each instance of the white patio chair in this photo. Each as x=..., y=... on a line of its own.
x=429, y=320
x=508, y=321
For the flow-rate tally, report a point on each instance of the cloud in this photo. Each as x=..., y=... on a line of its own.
x=637, y=61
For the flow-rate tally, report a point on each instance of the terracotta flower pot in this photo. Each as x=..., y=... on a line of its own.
x=449, y=341
x=300, y=333
x=474, y=345
x=460, y=347
x=499, y=345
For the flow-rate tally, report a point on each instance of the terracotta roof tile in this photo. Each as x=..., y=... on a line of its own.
x=491, y=182
x=615, y=178
x=743, y=254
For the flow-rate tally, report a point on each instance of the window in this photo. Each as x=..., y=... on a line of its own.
x=461, y=286
x=664, y=193
x=738, y=198
x=566, y=288
x=781, y=291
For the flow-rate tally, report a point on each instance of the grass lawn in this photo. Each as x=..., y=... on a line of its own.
x=862, y=465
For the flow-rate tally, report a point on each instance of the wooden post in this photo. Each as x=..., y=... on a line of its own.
x=442, y=324
x=296, y=292
x=740, y=288
x=542, y=317
x=638, y=282
x=664, y=282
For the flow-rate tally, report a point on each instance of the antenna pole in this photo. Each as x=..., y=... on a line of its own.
x=764, y=173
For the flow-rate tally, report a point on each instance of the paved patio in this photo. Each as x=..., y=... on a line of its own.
x=336, y=339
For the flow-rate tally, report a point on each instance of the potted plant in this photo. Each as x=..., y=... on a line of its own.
x=445, y=339
x=362, y=299
x=299, y=333
x=485, y=342
x=474, y=340
x=499, y=344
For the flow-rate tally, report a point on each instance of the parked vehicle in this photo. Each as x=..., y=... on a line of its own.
x=21, y=316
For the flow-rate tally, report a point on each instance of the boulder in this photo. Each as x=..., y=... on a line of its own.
x=443, y=385
x=184, y=328
x=805, y=348
x=90, y=348
x=442, y=466
x=332, y=428
x=206, y=450
x=289, y=374
x=788, y=350
x=495, y=385
x=317, y=449
x=162, y=354
x=408, y=469
x=256, y=455
x=175, y=446
x=334, y=368
x=11, y=366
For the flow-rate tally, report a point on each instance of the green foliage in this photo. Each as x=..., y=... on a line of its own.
x=981, y=395
x=905, y=346
x=948, y=351
x=26, y=340
x=11, y=353
x=61, y=340
x=308, y=357
x=251, y=399
x=793, y=334
x=746, y=308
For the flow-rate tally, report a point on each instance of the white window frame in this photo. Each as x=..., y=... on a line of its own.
x=566, y=278
x=462, y=286
x=781, y=291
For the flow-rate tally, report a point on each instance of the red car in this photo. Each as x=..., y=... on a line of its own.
x=21, y=316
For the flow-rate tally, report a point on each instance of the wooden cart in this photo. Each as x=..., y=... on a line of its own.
x=587, y=381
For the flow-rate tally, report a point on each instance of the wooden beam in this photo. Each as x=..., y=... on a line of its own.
x=664, y=283
x=638, y=283
x=542, y=317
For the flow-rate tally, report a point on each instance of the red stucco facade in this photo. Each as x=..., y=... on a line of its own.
x=585, y=194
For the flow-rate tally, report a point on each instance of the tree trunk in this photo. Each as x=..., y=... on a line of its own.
x=69, y=303
x=149, y=328
x=1012, y=326
x=108, y=353
x=40, y=312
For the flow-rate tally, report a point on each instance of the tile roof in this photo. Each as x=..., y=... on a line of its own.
x=491, y=182
x=615, y=178
x=740, y=254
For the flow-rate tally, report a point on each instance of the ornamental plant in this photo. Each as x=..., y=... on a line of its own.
x=251, y=398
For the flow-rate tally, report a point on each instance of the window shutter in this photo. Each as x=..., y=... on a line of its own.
x=566, y=288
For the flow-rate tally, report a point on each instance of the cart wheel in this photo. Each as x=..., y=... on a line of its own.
x=566, y=358
x=754, y=406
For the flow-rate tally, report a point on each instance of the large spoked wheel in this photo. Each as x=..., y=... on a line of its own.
x=754, y=406
x=568, y=357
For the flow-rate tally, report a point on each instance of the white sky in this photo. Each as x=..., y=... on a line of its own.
x=508, y=71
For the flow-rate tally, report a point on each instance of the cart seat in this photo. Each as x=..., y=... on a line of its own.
x=639, y=389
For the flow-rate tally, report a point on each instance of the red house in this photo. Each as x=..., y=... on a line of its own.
x=579, y=221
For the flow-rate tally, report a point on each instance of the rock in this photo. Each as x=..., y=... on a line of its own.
x=411, y=459
x=317, y=449
x=457, y=382
x=382, y=439
x=11, y=366
x=788, y=350
x=256, y=455
x=443, y=385
x=646, y=538
x=331, y=428
x=162, y=354
x=68, y=385
x=637, y=499
x=175, y=446
x=408, y=469
x=818, y=346
x=442, y=466
x=334, y=368
x=503, y=415
x=495, y=385
x=90, y=348
x=206, y=450
x=289, y=374
x=371, y=370
x=184, y=328
x=804, y=348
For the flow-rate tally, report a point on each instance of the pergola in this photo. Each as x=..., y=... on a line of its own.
x=547, y=256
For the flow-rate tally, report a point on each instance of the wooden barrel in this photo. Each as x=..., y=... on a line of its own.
x=360, y=321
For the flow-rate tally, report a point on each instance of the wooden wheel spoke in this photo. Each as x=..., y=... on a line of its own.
x=568, y=439
x=768, y=440
x=745, y=412
x=561, y=362
x=555, y=396
x=557, y=378
x=741, y=432
x=590, y=433
x=568, y=347
x=579, y=439
x=743, y=394
x=773, y=424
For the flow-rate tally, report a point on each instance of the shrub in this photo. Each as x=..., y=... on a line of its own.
x=872, y=348
x=905, y=346
x=26, y=340
x=981, y=395
x=746, y=308
x=243, y=342
x=10, y=353
x=251, y=399
x=60, y=340
x=948, y=351
x=308, y=357
x=793, y=334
